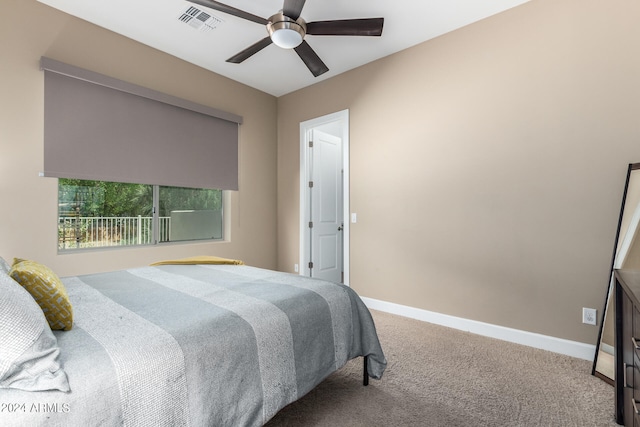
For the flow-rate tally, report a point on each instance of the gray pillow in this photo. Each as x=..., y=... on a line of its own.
x=29, y=351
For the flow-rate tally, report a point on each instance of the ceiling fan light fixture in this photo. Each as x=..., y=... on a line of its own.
x=286, y=38
x=286, y=32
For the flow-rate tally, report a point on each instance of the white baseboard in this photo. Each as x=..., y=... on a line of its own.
x=544, y=342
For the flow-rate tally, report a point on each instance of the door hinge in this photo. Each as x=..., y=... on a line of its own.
x=310, y=144
x=310, y=224
x=310, y=264
x=310, y=184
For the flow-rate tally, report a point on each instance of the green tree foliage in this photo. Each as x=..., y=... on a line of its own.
x=104, y=199
x=174, y=198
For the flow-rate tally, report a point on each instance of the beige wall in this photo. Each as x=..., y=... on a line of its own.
x=29, y=30
x=487, y=166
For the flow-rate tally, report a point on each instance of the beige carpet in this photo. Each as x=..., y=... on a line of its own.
x=439, y=376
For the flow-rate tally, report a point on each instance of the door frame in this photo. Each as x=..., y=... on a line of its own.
x=340, y=119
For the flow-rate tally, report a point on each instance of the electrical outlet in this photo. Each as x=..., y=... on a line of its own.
x=295, y=267
x=589, y=315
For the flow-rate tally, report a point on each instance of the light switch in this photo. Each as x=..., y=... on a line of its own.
x=354, y=218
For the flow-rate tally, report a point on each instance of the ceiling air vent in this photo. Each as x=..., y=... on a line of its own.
x=199, y=19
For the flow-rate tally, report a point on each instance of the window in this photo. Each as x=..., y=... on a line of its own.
x=101, y=214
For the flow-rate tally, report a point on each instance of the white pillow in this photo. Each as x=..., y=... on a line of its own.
x=29, y=351
x=4, y=266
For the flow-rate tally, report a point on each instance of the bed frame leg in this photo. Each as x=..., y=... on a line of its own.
x=365, y=376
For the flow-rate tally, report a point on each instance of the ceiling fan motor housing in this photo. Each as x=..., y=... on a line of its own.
x=286, y=32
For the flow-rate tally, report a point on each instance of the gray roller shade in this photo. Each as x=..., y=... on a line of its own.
x=100, y=128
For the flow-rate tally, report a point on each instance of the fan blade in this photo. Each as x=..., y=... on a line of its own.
x=230, y=10
x=347, y=27
x=311, y=59
x=293, y=8
x=250, y=51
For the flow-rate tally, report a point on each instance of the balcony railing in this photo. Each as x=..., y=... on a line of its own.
x=93, y=232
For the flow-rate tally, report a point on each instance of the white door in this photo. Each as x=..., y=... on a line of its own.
x=326, y=221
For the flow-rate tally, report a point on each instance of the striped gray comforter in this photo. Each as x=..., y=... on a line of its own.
x=198, y=345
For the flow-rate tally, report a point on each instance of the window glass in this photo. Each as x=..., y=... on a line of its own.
x=190, y=214
x=100, y=214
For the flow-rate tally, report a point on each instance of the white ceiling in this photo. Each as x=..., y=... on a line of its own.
x=274, y=70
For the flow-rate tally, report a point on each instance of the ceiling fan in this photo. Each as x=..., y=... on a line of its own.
x=287, y=30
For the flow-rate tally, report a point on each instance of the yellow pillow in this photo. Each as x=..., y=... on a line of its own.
x=48, y=291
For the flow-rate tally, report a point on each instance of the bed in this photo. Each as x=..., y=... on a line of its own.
x=181, y=345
